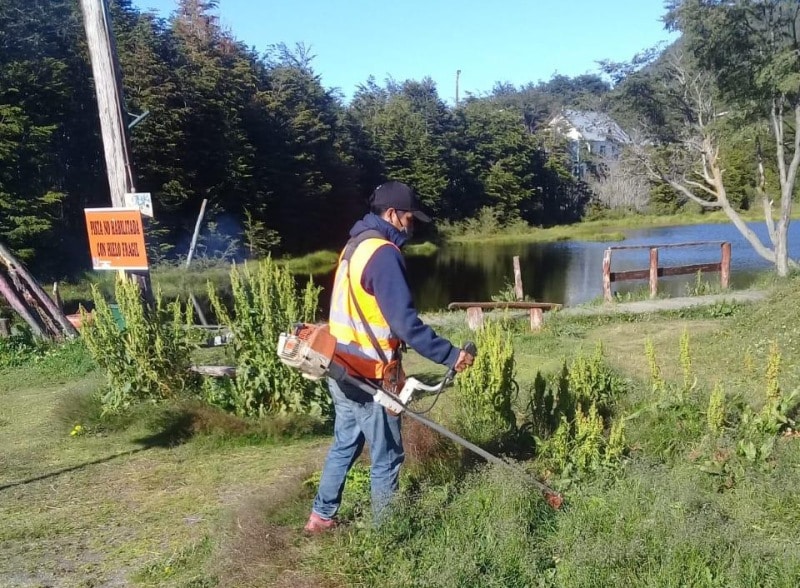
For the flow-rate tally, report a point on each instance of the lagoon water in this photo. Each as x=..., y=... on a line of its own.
x=570, y=272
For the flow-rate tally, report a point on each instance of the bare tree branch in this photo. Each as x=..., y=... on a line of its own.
x=702, y=187
x=761, y=190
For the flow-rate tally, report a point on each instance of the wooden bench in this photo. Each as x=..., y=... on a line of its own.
x=475, y=311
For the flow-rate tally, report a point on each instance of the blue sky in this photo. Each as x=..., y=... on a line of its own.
x=514, y=41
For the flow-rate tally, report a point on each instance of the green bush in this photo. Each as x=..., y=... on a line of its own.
x=148, y=358
x=485, y=391
x=265, y=304
x=19, y=348
x=758, y=431
x=571, y=419
x=584, y=382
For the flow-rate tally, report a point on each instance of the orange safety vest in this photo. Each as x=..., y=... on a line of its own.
x=345, y=323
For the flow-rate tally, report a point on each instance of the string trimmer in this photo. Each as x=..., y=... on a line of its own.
x=311, y=349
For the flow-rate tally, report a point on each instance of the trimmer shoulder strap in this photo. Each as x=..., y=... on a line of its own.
x=349, y=249
x=354, y=242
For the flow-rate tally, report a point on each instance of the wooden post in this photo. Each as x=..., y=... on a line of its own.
x=653, y=272
x=725, y=265
x=8, y=292
x=197, y=226
x=607, y=276
x=57, y=297
x=474, y=317
x=520, y=295
x=5, y=328
x=197, y=308
x=39, y=296
x=537, y=319
x=106, y=73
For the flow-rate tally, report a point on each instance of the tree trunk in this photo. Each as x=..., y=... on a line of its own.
x=787, y=177
x=751, y=237
x=781, y=249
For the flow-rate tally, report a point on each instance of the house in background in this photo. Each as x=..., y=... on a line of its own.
x=590, y=134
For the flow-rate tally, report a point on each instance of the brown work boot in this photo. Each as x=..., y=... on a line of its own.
x=316, y=524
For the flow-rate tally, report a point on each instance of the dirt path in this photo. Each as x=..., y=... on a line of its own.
x=663, y=304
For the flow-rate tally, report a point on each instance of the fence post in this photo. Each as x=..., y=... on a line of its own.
x=725, y=265
x=607, y=276
x=518, y=280
x=474, y=317
x=653, y=272
x=537, y=318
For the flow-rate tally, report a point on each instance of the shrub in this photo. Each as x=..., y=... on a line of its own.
x=148, y=356
x=570, y=419
x=486, y=390
x=19, y=347
x=758, y=431
x=266, y=303
x=591, y=381
x=583, y=382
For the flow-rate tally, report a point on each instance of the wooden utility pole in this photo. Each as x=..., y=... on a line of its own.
x=458, y=75
x=108, y=87
x=110, y=104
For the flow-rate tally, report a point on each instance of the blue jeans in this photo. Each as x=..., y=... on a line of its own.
x=358, y=419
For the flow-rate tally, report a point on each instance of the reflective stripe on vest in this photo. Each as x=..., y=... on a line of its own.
x=345, y=323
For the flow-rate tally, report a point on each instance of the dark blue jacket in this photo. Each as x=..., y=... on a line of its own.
x=385, y=278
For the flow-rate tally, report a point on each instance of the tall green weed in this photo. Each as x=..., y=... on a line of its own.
x=146, y=358
x=584, y=381
x=265, y=304
x=571, y=418
x=758, y=430
x=484, y=412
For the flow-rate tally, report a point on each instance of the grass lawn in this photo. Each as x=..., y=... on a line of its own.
x=137, y=504
x=177, y=495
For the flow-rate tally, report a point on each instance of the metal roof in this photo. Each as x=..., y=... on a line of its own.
x=595, y=126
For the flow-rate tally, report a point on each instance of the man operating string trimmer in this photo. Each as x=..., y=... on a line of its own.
x=372, y=314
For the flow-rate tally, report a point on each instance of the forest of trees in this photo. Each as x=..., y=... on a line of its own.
x=273, y=150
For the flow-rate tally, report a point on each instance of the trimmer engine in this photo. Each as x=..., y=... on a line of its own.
x=308, y=348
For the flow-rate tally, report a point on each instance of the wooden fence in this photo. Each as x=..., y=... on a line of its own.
x=654, y=271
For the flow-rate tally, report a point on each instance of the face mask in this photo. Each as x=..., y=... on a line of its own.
x=407, y=230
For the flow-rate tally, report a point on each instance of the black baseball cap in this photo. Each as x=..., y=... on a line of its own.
x=400, y=197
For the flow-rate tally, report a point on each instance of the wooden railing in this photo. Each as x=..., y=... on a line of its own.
x=654, y=271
